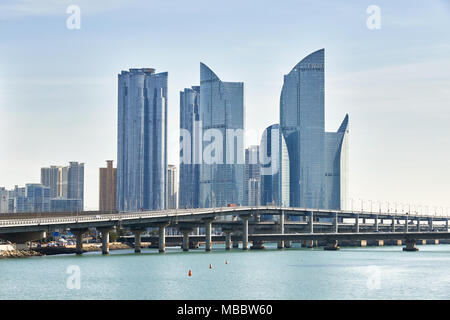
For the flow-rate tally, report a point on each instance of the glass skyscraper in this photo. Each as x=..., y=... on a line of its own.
x=189, y=155
x=221, y=113
x=142, y=140
x=318, y=159
x=274, y=168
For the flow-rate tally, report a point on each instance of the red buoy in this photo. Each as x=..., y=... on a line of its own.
x=190, y=273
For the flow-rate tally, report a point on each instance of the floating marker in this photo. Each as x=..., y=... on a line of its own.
x=226, y=261
x=210, y=266
x=190, y=273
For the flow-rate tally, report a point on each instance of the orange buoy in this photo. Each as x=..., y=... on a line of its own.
x=226, y=261
x=190, y=273
x=210, y=266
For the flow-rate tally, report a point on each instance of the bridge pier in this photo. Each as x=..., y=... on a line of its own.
x=228, y=239
x=185, y=232
x=162, y=237
x=137, y=240
x=245, y=231
x=376, y=223
x=393, y=224
x=430, y=223
x=208, y=232
x=105, y=239
x=79, y=238
x=446, y=225
x=406, y=224
x=418, y=225
x=335, y=223
x=311, y=222
x=281, y=242
x=410, y=245
x=357, y=223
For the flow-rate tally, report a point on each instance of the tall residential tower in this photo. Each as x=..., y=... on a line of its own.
x=142, y=140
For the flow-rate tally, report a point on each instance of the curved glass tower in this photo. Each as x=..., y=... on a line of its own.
x=222, y=116
x=315, y=156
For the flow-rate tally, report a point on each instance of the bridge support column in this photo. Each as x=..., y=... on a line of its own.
x=410, y=245
x=311, y=222
x=446, y=225
x=228, y=240
x=357, y=223
x=332, y=246
x=185, y=232
x=245, y=231
x=281, y=242
x=336, y=223
x=162, y=237
x=393, y=224
x=406, y=224
x=79, y=237
x=430, y=223
x=376, y=223
x=418, y=225
x=208, y=232
x=137, y=240
x=105, y=239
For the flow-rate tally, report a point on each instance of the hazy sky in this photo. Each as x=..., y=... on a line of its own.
x=58, y=87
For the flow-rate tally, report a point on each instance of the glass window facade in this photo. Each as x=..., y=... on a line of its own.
x=315, y=156
x=142, y=140
x=221, y=109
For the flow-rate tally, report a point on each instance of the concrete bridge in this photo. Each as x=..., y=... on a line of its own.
x=292, y=224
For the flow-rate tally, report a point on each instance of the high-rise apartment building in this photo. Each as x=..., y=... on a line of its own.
x=107, y=187
x=252, y=176
x=142, y=140
x=190, y=146
x=172, y=187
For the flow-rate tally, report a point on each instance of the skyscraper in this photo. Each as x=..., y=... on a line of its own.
x=252, y=176
x=34, y=197
x=3, y=200
x=172, y=187
x=142, y=140
x=190, y=146
x=222, y=117
x=318, y=169
x=275, y=183
x=65, y=183
x=107, y=187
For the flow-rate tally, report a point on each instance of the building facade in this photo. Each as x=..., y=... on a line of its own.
x=252, y=176
x=318, y=169
x=222, y=118
x=107, y=187
x=4, y=196
x=142, y=140
x=34, y=197
x=65, y=183
x=190, y=146
x=172, y=187
x=275, y=182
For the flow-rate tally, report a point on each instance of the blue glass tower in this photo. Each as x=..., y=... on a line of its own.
x=318, y=169
x=189, y=167
x=142, y=140
x=274, y=168
x=221, y=112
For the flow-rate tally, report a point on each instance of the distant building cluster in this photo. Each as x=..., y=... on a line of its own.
x=61, y=190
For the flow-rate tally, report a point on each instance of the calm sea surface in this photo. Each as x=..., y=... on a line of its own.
x=297, y=273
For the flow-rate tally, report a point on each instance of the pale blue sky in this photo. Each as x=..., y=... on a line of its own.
x=58, y=87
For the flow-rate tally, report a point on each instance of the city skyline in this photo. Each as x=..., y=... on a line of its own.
x=392, y=84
